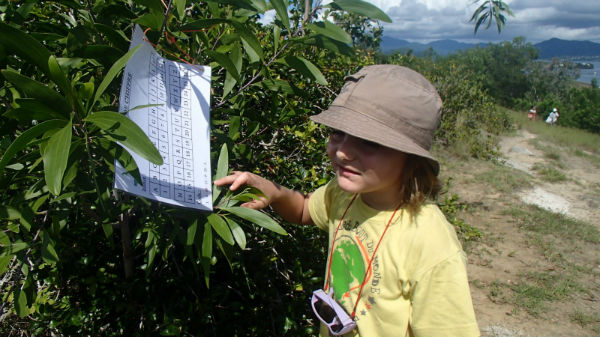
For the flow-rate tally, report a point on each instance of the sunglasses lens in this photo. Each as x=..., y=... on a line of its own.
x=335, y=328
x=325, y=311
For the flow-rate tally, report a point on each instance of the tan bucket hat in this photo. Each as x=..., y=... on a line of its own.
x=390, y=105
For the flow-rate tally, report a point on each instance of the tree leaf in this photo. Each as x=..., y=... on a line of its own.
x=115, y=36
x=224, y=61
x=223, y=163
x=331, y=31
x=32, y=109
x=207, y=248
x=59, y=77
x=55, y=158
x=202, y=24
x=4, y=242
x=230, y=81
x=227, y=251
x=362, y=8
x=207, y=241
x=17, y=247
x=276, y=85
x=20, y=299
x=48, y=253
x=152, y=20
x=328, y=43
x=113, y=72
x=222, y=169
x=180, y=6
x=127, y=162
x=260, y=5
x=249, y=38
x=220, y=226
x=306, y=68
x=151, y=255
x=256, y=217
x=253, y=57
x=24, y=45
x=276, y=37
x=127, y=133
x=191, y=233
x=104, y=54
x=38, y=90
x=11, y=213
x=4, y=261
x=238, y=233
x=280, y=7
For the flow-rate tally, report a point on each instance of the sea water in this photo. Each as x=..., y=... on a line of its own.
x=587, y=74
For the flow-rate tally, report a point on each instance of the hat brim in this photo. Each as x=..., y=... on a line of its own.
x=353, y=123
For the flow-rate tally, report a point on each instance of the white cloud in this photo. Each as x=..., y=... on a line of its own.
x=268, y=17
x=537, y=20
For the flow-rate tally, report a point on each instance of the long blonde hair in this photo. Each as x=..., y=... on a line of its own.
x=419, y=183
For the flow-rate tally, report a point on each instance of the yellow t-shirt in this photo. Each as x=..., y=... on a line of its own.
x=418, y=285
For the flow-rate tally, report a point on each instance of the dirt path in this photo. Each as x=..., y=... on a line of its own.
x=571, y=197
x=506, y=253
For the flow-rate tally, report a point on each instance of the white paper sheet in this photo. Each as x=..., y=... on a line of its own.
x=178, y=127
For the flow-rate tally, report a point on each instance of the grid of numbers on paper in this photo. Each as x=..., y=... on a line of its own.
x=158, y=127
x=180, y=91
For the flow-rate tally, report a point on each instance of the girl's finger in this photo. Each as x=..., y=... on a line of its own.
x=227, y=180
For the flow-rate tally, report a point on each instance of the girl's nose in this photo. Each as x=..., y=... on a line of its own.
x=346, y=150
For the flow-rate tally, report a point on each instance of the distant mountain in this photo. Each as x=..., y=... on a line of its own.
x=548, y=49
x=566, y=48
x=442, y=47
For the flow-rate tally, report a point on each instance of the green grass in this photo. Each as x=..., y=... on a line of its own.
x=585, y=319
x=564, y=136
x=561, y=241
x=549, y=173
x=550, y=152
x=535, y=289
x=503, y=179
x=594, y=159
x=536, y=219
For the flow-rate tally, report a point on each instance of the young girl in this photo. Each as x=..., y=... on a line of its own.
x=395, y=264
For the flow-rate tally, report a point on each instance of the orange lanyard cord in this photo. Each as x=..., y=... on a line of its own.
x=371, y=261
x=364, y=281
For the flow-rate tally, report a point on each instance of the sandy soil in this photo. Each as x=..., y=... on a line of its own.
x=505, y=253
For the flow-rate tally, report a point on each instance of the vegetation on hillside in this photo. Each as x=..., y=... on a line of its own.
x=79, y=258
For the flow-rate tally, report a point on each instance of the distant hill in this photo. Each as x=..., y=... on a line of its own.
x=548, y=49
x=566, y=48
x=442, y=47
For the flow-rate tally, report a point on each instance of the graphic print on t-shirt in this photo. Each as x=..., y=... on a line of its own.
x=349, y=264
x=347, y=267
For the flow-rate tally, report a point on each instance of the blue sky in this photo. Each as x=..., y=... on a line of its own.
x=536, y=20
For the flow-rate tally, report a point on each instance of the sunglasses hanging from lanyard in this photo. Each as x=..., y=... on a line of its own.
x=324, y=305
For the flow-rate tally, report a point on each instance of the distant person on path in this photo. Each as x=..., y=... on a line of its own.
x=532, y=113
x=552, y=117
x=395, y=266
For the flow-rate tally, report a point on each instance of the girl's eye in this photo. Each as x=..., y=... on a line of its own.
x=370, y=144
x=337, y=135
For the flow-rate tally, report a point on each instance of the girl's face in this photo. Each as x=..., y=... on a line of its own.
x=368, y=168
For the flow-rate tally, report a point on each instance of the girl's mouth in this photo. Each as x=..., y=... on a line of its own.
x=343, y=171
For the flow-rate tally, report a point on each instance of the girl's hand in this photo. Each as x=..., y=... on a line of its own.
x=291, y=205
x=238, y=179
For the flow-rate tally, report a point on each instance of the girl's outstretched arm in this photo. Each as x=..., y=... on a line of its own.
x=291, y=205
